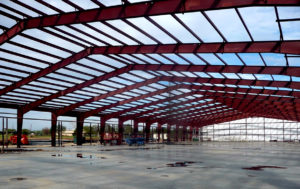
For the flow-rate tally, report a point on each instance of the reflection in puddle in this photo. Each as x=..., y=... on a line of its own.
x=180, y=164
x=119, y=149
x=17, y=179
x=78, y=155
x=262, y=167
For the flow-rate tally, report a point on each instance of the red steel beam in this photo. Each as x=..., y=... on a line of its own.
x=173, y=120
x=165, y=107
x=287, y=109
x=266, y=98
x=210, y=116
x=37, y=103
x=117, y=114
x=180, y=116
x=198, y=80
x=289, y=47
x=283, y=70
x=271, y=102
x=209, y=68
x=47, y=70
x=134, y=10
x=103, y=96
x=293, y=71
x=206, y=94
x=97, y=110
x=183, y=116
x=93, y=112
x=200, y=122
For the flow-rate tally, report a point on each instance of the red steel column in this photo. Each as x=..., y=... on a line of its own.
x=183, y=133
x=121, y=130
x=176, y=132
x=79, y=128
x=19, y=127
x=168, y=132
x=158, y=131
x=147, y=131
x=191, y=133
x=102, y=129
x=135, y=128
x=53, y=129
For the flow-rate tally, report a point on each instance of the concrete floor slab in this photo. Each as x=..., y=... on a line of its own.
x=201, y=165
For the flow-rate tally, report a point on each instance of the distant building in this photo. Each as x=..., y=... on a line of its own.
x=68, y=133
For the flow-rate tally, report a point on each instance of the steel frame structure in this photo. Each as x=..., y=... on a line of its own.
x=111, y=73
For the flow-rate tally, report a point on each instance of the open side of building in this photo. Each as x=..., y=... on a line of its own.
x=182, y=63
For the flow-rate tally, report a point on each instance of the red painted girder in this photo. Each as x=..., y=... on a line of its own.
x=214, y=116
x=103, y=96
x=241, y=100
x=207, y=93
x=282, y=70
x=199, y=120
x=289, y=109
x=89, y=113
x=184, y=115
x=47, y=70
x=167, y=107
x=250, y=96
x=11, y=32
x=173, y=120
x=198, y=123
x=293, y=85
x=261, y=107
x=289, y=47
x=164, y=120
x=37, y=103
x=293, y=71
x=146, y=67
x=97, y=110
x=117, y=114
x=135, y=10
x=190, y=79
x=245, y=103
x=191, y=113
x=214, y=120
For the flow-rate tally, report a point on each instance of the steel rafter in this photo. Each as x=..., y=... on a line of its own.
x=130, y=11
x=196, y=80
x=285, y=47
x=173, y=79
x=207, y=68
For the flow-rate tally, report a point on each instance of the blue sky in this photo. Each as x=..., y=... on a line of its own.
x=261, y=22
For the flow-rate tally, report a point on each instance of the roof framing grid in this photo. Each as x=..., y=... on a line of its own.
x=114, y=73
x=131, y=11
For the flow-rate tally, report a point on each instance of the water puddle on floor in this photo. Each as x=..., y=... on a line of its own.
x=262, y=167
x=180, y=164
x=18, y=179
x=246, y=148
x=119, y=149
x=78, y=155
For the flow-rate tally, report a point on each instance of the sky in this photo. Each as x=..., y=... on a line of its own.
x=261, y=22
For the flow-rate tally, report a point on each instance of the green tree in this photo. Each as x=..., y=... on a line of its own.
x=93, y=129
x=63, y=128
x=45, y=131
x=26, y=131
x=38, y=133
x=127, y=129
x=12, y=131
